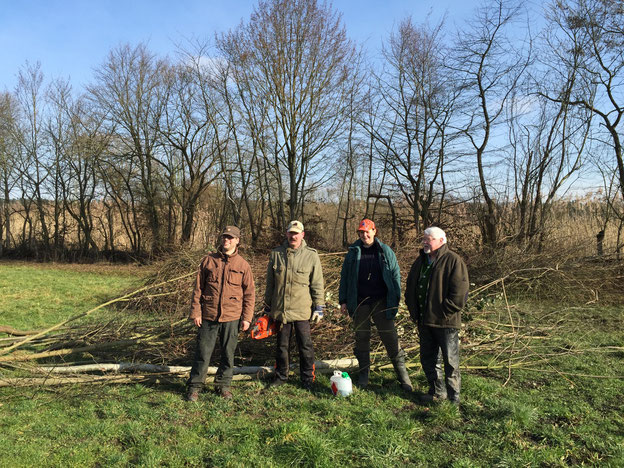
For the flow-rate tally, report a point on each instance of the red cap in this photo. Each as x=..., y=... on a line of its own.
x=366, y=225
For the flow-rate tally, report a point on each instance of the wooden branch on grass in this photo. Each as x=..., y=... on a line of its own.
x=484, y=287
x=64, y=352
x=15, y=332
x=92, y=379
x=240, y=373
x=84, y=314
x=324, y=365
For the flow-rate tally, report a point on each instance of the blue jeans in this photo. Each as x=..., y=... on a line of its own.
x=436, y=343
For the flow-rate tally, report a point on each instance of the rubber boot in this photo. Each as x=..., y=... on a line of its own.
x=363, y=358
x=401, y=371
x=436, y=392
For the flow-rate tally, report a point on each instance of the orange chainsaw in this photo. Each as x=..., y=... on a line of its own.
x=263, y=327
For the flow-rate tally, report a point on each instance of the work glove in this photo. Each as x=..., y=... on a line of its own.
x=317, y=315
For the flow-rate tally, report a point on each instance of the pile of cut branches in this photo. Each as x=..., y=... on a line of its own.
x=148, y=327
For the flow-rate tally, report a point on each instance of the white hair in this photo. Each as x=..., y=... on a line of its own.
x=436, y=233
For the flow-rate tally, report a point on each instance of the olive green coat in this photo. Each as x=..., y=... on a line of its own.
x=294, y=283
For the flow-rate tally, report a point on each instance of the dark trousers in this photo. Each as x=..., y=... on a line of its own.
x=376, y=313
x=305, y=346
x=227, y=333
x=445, y=342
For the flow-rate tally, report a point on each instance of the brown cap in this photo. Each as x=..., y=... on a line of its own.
x=295, y=226
x=231, y=231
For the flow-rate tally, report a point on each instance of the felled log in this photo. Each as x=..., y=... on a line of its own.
x=240, y=373
x=323, y=366
x=95, y=379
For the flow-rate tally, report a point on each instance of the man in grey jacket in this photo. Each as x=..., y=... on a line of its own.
x=436, y=292
x=294, y=295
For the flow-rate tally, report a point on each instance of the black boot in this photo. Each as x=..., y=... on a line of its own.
x=436, y=392
x=363, y=358
x=398, y=362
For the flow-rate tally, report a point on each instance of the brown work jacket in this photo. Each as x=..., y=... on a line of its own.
x=224, y=289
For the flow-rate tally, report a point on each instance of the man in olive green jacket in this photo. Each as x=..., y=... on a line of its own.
x=294, y=295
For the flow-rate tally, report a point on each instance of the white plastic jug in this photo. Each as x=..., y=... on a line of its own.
x=341, y=384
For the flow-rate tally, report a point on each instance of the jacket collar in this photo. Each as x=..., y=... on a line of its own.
x=301, y=247
x=223, y=255
x=359, y=244
x=443, y=250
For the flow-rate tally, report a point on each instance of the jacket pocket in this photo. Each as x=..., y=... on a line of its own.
x=207, y=299
x=302, y=276
x=207, y=304
x=235, y=277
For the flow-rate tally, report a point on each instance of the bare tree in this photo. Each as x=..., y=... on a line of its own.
x=34, y=161
x=489, y=65
x=79, y=141
x=8, y=165
x=253, y=142
x=121, y=183
x=416, y=98
x=548, y=136
x=547, y=148
x=595, y=30
x=296, y=60
x=351, y=165
x=129, y=92
x=190, y=131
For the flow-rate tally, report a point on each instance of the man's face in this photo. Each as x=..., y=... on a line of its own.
x=229, y=243
x=431, y=244
x=367, y=237
x=294, y=239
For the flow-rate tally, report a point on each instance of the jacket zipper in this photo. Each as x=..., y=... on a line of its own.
x=224, y=262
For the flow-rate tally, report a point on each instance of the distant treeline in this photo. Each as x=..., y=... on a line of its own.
x=481, y=129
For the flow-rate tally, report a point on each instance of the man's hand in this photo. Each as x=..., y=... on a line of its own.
x=343, y=309
x=317, y=315
x=245, y=325
x=197, y=321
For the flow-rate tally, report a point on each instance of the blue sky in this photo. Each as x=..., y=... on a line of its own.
x=71, y=37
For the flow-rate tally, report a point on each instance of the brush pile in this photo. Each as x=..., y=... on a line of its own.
x=501, y=330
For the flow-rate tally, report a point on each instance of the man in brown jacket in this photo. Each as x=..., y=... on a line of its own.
x=223, y=299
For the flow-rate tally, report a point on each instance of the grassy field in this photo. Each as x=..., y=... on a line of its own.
x=561, y=411
x=36, y=295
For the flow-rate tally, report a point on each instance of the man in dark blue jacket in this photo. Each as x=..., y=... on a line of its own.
x=435, y=293
x=370, y=290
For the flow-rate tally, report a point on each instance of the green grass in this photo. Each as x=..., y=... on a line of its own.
x=552, y=416
x=40, y=295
